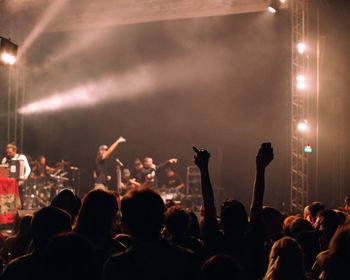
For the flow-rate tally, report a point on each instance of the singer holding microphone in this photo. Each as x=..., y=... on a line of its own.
x=100, y=174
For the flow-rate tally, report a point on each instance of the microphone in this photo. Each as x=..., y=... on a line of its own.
x=119, y=162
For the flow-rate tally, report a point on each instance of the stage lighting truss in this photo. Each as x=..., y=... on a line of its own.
x=300, y=129
x=8, y=51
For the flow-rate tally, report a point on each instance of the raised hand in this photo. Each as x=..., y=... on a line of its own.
x=264, y=156
x=173, y=160
x=121, y=140
x=201, y=158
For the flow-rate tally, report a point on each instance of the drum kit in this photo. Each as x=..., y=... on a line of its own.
x=41, y=189
x=171, y=194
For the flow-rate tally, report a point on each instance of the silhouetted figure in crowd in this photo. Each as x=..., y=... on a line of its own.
x=18, y=245
x=311, y=211
x=338, y=260
x=327, y=223
x=68, y=201
x=273, y=220
x=150, y=257
x=221, y=267
x=286, y=261
x=299, y=225
x=70, y=257
x=177, y=224
x=46, y=223
x=194, y=229
x=96, y=222
x=239, y=239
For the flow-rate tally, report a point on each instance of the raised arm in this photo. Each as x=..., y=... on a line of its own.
x=111, y=149
x=263, y=159
x=201, y=159
x=166, y=163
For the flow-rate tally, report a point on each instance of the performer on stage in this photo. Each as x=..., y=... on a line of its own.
x=172, y=181
x=127, y=182
x=150, y=170
x=101, y=171
x=11, y=154
x=40, y=168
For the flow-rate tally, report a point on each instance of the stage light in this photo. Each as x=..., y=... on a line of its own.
x=271, y=10
x=303, y=126
x=8, y=51
x=301, y=47
x=8, y=59
x=283, y=1
x=301, y=85
x=274, y=6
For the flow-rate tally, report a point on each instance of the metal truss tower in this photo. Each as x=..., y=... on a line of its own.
x=299, y=187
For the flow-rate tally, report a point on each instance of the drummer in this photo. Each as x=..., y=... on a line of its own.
x=172, y=181
x=40, y=169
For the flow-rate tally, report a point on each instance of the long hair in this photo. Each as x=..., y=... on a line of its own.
x=286, y=261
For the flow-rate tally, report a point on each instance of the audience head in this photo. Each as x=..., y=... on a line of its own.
x=311, y=211
x=177, y=222
x=69, y=256
x=339, y=254
x=68, y=201
x=220, y=267
x=97, y=215
x=287, y=223
x=286, y=261
x=273, y=220
x=234, y=218
x=46, y=223
x=143, y=213
x=299, y=225
x=328, y=221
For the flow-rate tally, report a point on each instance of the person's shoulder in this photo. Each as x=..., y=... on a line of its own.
x=177, y=250
x=18, y=266
x=21, y=260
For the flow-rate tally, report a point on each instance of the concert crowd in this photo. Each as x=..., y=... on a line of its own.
x=139, y=236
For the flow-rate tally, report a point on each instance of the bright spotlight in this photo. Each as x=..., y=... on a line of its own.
x=301, y=85
x=8, y=51
x=274, y=6
x=271, y=10
x=303, y=126
x=283, y=1
x=8, y=59
x=301, y=48
x=301, y=78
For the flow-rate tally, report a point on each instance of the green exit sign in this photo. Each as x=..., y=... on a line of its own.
x=308, y=149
